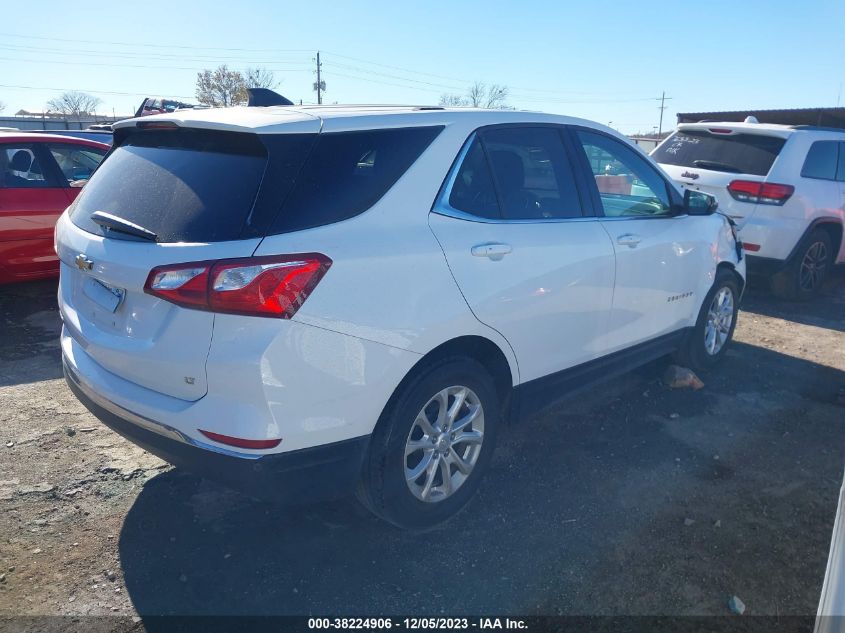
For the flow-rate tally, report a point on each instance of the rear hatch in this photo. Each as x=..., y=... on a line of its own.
x=166, y=194
x=708, y=157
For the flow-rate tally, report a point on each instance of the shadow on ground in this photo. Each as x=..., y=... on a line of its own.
x=29, y=332
x=826, y=311
x=582, y=512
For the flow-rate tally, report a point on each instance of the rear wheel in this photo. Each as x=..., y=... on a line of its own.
x=707, y=343
x=806, y=273
x=432, y=444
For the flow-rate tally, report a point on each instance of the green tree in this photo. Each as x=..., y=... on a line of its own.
x=221, y=87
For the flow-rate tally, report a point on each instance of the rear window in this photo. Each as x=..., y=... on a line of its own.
x=348, y=172
x=735, y=153
x=183, y=185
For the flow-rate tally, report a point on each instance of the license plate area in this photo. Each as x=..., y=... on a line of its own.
x=104, y=295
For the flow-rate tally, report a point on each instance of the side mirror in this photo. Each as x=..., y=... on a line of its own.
x=699, y=203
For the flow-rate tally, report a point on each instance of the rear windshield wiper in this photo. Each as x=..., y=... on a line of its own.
x=114, y=223
x=712, y=164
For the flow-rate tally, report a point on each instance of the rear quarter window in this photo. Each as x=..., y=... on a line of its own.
x=821, y=160
x=348, y=172
x=733, y=153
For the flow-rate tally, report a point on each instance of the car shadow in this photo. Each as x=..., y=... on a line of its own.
x=827, y=310
x=581, y=510
x=29, y=333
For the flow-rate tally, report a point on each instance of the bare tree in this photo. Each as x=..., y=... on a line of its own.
x=74, y=103
x=260, y=78
x=479, y=95
x=221, y=87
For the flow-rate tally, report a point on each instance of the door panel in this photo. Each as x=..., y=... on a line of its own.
x=656, y=277
x=528, y=262
x=659, y=255
x=550, y=296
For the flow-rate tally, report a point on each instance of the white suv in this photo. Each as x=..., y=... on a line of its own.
x=305, y=301
x=784, y=186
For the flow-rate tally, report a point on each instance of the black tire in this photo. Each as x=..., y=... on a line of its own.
x=383, y=488
x=694, y=353
x=807, y=271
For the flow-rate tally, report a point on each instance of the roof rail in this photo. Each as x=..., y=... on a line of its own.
x=263, y=97
x=818, y=128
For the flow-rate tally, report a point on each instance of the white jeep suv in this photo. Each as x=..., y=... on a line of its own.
x=783, y=185
x=307, y=301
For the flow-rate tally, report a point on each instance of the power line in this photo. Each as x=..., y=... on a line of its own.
x=87, y=63
x=140, y=55
x=103, y=92
x=158, y=45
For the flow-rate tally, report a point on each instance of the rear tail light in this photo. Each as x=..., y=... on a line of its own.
x=753, y=248
x=762, y=192
x=274, y=286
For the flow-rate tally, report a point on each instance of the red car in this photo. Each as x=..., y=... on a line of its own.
x=40, y=175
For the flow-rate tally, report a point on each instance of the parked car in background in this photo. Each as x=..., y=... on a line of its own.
x=40, y=175
x=783, y=185
x=101, y=136
x=307, y=301
x=157, y=105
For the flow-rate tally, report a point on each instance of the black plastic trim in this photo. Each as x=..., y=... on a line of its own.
x=301, y=476
x=533, y=396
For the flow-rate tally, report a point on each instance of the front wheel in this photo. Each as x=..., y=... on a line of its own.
x=432, y=444
x=706, y=344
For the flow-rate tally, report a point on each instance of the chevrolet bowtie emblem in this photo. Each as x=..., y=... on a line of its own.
x=83, y=263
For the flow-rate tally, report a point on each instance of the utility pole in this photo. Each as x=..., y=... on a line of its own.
x=319, y=85
x=663, y=99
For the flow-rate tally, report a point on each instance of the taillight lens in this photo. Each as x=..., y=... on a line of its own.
x=274, y=286
x=760, y=192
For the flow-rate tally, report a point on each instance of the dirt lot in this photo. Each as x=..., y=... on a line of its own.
x=632, y=499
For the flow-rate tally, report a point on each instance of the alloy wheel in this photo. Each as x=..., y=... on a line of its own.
x=813, y=266
x=720, y=316
x=444, y=444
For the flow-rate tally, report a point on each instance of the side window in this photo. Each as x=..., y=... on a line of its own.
x=20, y=168
x=627, y=184
x=533, y=176
x=473, y=191
x=840, y=172
x=77, y=162
x=348, y=172
x=821, y=160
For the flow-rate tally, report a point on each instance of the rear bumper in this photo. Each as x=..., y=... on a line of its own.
x=300, y=476
x=763, y=266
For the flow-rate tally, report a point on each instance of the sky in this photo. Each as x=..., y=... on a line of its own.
x=605, y=61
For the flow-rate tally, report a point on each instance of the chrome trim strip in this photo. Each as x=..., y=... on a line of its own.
x=144, y=422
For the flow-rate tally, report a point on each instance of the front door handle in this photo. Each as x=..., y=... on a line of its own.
x=629, y=239
x=494, y=251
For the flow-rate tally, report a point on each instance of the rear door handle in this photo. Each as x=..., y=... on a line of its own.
x=629, y=239
x=494, y=251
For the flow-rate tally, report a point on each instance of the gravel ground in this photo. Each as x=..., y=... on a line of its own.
x=630, y=499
